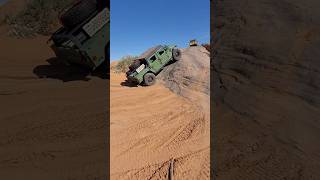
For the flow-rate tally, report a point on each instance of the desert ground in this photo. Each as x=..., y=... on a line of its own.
x=52, y=127
x=53, y=119
x=164, y=126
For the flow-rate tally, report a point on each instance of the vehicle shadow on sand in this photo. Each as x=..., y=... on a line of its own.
x=128, y=84
x=57, y=70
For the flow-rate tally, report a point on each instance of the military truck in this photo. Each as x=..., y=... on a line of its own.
x=84, y=37
x=144, y=69
x=193, y=42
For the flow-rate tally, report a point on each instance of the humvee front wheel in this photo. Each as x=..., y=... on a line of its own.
x=176, y=53
x=149, y=79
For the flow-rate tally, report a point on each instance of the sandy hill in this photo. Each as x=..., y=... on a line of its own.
x=266, y=89
x=189, y=77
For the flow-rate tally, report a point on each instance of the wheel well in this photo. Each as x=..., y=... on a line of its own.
x=149, y=72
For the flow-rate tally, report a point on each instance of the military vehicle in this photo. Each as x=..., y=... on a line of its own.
x=84, y=37
x=144, y=69
x=193, y=42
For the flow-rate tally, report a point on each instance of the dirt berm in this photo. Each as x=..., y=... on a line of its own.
x=153, y=126
x=189, y=77
x=266, y=89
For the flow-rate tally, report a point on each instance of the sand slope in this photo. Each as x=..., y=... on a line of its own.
x=151, y=125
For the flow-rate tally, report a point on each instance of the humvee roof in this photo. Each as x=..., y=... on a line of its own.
x=149, y=52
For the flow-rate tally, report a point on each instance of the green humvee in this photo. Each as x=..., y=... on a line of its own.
x=84, y=38
x=145, y=68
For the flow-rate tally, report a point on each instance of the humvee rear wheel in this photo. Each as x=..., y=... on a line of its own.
x=149, y=79
x=176, y=53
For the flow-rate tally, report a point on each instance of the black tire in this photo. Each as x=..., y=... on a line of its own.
x=149, y=79
x=78, y=13
x=176, y=53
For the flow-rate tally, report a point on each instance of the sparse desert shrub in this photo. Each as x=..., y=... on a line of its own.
x=124, y=63
x=38, y=17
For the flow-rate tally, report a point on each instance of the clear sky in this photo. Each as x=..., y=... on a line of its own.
x=141, y=24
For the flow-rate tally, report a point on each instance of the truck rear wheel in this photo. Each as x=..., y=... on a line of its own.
x=176, y=53
x=149, y=79
x=78, y=13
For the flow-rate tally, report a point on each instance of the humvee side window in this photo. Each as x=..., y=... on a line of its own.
x=161, y=52
x=153, y=58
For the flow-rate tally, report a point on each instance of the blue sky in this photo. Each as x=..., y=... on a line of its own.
x=141, y=24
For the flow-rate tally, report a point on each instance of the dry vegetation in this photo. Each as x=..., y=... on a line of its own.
x=123, y=64
x=37, y=17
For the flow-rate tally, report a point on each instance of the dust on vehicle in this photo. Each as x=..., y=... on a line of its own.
x=146, y=67
x=84, y=38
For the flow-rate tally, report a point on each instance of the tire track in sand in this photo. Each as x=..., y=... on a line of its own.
x=151, y=125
